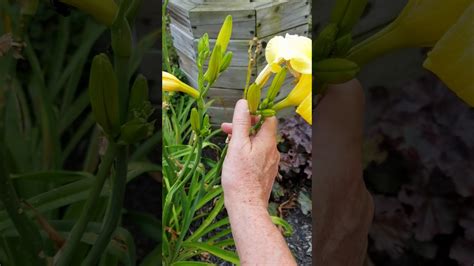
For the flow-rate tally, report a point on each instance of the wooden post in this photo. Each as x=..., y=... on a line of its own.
x=263, y=19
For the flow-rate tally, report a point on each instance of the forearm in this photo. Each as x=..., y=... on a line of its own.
x=343, y=207
x=258, y=240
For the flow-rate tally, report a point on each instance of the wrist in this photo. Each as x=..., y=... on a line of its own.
x=242, y=203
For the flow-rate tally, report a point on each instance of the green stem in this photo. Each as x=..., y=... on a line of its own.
x=164, y=41
x=114, y=210
x=29, y=234
x=67, y=252
x=384, y=41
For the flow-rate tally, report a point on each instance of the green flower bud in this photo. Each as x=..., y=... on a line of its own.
x=214, y=65
x=253, y=98
x=335, y=70
x=226, y=61
x=342, y=45
x=225, y=33
x=103, y=94
x=276, y=84
x=135, y=130
x=325, y=41
x=267, y=112
x=203, y=44
x=139, y=93
x=121, y=38
x=195, y=121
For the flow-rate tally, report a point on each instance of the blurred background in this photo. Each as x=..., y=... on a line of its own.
x=418, y=154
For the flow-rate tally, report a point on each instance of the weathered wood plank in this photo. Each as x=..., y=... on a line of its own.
x=233, y=77
x=209, y=17
x=280, y=15
x=179, y=13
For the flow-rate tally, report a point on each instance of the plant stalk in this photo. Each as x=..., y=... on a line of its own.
x=114, y=210
x=67, y=251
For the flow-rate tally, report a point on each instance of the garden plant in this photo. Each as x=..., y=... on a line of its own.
x=54, y=113
x=194, y=222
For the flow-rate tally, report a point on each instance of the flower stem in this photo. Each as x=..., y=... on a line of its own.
x=114, y=210
x=164, y=44
x=384, y=41
x=30, y=237
x=67, y=252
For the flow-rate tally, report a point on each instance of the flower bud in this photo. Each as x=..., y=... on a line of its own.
x=135, y=130
x=103, y=94
x=335, y=70
x=267, y=112
x=121, y=38
x=253, y=98
x=195, y=121
x=139, y=93
x=225, y=33
x=214, y=65
x=226, y=61
x=203, y=44
x=276, y=84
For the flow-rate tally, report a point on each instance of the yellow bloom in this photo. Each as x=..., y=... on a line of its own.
x=172, y=83
x=420, y=24
x=103, y=11
x=452, y=59
x=295, y=50
x=298, y=94
x=305, y=109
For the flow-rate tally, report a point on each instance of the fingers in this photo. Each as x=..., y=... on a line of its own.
x=268, y=132
x=227, y=128
x=241, y=123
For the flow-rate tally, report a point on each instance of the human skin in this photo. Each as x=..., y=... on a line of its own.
x=342, y=206
x=248, y=173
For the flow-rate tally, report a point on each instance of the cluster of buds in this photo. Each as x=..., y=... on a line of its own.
x=104, y=97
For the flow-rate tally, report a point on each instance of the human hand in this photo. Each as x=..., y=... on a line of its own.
x=251, y=163
x=343, y=207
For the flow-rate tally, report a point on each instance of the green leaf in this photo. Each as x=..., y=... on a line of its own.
x=153, y=258
x=218, y=252
x=284, y=224
x=148, y=223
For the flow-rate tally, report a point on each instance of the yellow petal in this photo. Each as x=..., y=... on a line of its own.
x=172, y=83
x=103, y=11
x=452, y=59
x=425, y=21
x=274, y=48
x=305, y=109
x=302, y=89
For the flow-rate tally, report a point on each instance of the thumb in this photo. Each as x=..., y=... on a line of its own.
x=268, y=132
x=241, y=122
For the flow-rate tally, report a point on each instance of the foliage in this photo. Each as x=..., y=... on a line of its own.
x=295, y=148
x=46, y=127
x=423, y=194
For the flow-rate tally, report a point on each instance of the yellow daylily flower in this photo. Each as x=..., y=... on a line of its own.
x=172, y=83
x=295, y=50
x=302, y=89
x=452, y=59
x=420, y=24
x=305, y=109
x=103, y=11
